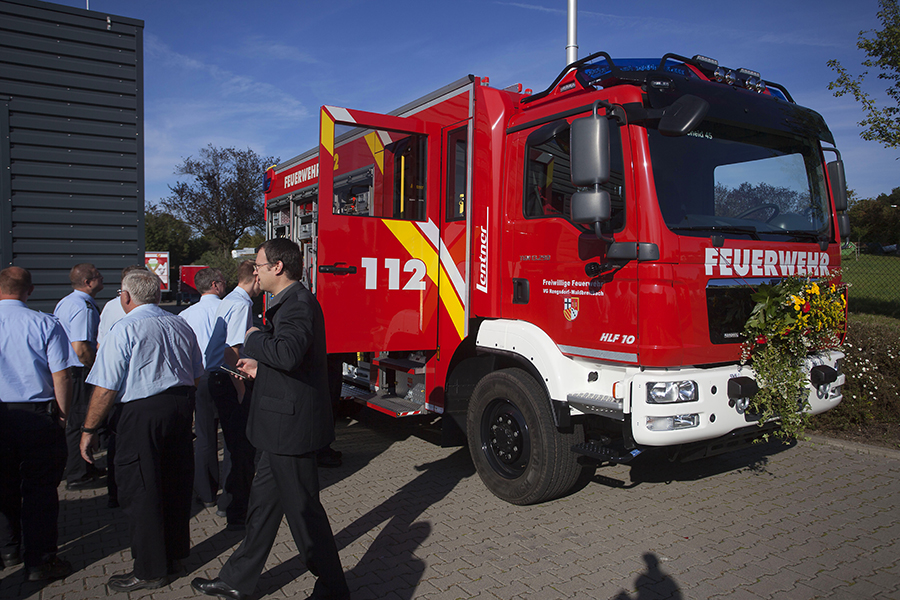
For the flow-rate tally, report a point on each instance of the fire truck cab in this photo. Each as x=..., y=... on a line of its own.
x=565, y=276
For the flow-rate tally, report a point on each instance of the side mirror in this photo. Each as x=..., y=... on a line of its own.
x=843, y=222
x=838, y=184
x=589, y=163
x=590, y=206
x=589, y=150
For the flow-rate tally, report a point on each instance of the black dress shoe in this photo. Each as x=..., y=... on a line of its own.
x=54, y=568
x=91, y=480
x=10, y=559
x=128, y=582
x=216, y=587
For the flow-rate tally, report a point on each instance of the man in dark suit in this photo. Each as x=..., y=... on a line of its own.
x=290, y=418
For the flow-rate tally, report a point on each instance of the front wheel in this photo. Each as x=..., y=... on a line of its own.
x=518, y=452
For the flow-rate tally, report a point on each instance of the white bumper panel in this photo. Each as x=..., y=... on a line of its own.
x=621, y=392
x=715, y=417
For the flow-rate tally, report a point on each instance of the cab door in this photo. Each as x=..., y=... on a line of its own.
x=379, y=206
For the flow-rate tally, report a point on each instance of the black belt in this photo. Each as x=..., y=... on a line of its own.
x=38, y=407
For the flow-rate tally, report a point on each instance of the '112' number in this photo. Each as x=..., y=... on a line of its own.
x=413, y=265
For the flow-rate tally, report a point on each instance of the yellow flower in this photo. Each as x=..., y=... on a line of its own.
x=814, y=289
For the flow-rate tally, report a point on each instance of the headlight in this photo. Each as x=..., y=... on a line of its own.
x=669, y=392
x=673, y=423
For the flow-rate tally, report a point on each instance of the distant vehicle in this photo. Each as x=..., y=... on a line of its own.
x=186, y=290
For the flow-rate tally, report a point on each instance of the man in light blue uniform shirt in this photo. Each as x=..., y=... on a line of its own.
x=233, y=319
x=35, y=393
x=111, y=314
x=145, y=374
x=79, y=316
x=202, y=318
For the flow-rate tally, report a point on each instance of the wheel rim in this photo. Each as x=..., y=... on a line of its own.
x=506, y=441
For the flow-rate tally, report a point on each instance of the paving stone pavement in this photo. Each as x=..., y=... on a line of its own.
x=413, y=520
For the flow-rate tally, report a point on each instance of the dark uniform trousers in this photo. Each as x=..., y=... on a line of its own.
x=287, y=485
x=206, y=458
x=155, y=471
x=32, y=459
x=76, y=466
x=238, y=457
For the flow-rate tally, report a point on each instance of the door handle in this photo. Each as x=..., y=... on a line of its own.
x=336, y=270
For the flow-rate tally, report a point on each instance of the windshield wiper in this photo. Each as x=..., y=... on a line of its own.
x=805, y=234
x=800, y=233
x=747, y=230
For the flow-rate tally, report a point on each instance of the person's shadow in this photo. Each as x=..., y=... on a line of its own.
x=653, y=583
x=393, y=550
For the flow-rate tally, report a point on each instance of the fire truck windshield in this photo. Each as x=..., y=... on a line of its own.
x=740, y=182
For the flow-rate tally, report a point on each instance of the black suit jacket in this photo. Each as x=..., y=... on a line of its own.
x=290, y=411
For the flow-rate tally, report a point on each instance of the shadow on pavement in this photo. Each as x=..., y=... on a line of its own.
x=392, y=553
x=652, y=584
x=654, y=466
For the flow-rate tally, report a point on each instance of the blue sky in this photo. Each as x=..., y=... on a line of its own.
x=254, y=74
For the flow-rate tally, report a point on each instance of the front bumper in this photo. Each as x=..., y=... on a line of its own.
x=713, y=414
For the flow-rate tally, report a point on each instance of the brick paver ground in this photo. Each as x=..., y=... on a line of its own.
x=413, y=520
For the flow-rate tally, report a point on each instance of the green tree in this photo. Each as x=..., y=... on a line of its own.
x=164, y=232
x=251, y=239
x=883, y=53
x=876, y=220
x=222, y=197
x=223, y=262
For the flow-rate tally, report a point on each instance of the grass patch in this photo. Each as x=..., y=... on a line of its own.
x=874, y=283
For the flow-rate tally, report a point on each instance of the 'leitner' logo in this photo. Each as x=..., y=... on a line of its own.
x=481, y=286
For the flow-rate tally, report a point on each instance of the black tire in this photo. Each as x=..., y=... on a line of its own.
x=518, y=452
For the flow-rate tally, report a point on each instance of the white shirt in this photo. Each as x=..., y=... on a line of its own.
x=112, y=313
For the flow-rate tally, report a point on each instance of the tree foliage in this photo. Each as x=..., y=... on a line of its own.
x=883, y=53
x=164, y=232
x=876, y=220
x=222, y=197
x=734, y=201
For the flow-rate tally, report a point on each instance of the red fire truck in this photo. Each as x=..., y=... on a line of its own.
x=564, y=276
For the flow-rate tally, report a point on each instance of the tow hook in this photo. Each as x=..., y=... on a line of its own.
x=740, y=391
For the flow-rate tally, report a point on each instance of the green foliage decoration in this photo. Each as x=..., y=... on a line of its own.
x=791, y=319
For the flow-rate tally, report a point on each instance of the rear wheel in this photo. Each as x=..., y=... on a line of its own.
x=518, y=451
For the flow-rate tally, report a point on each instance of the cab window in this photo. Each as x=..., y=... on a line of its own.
x=381, y=174
x=457, y=142
x=548, y=182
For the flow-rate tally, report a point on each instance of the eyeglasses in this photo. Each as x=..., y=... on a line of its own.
x=257, y=266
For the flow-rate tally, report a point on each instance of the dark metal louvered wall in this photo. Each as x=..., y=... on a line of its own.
x=71, y=144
